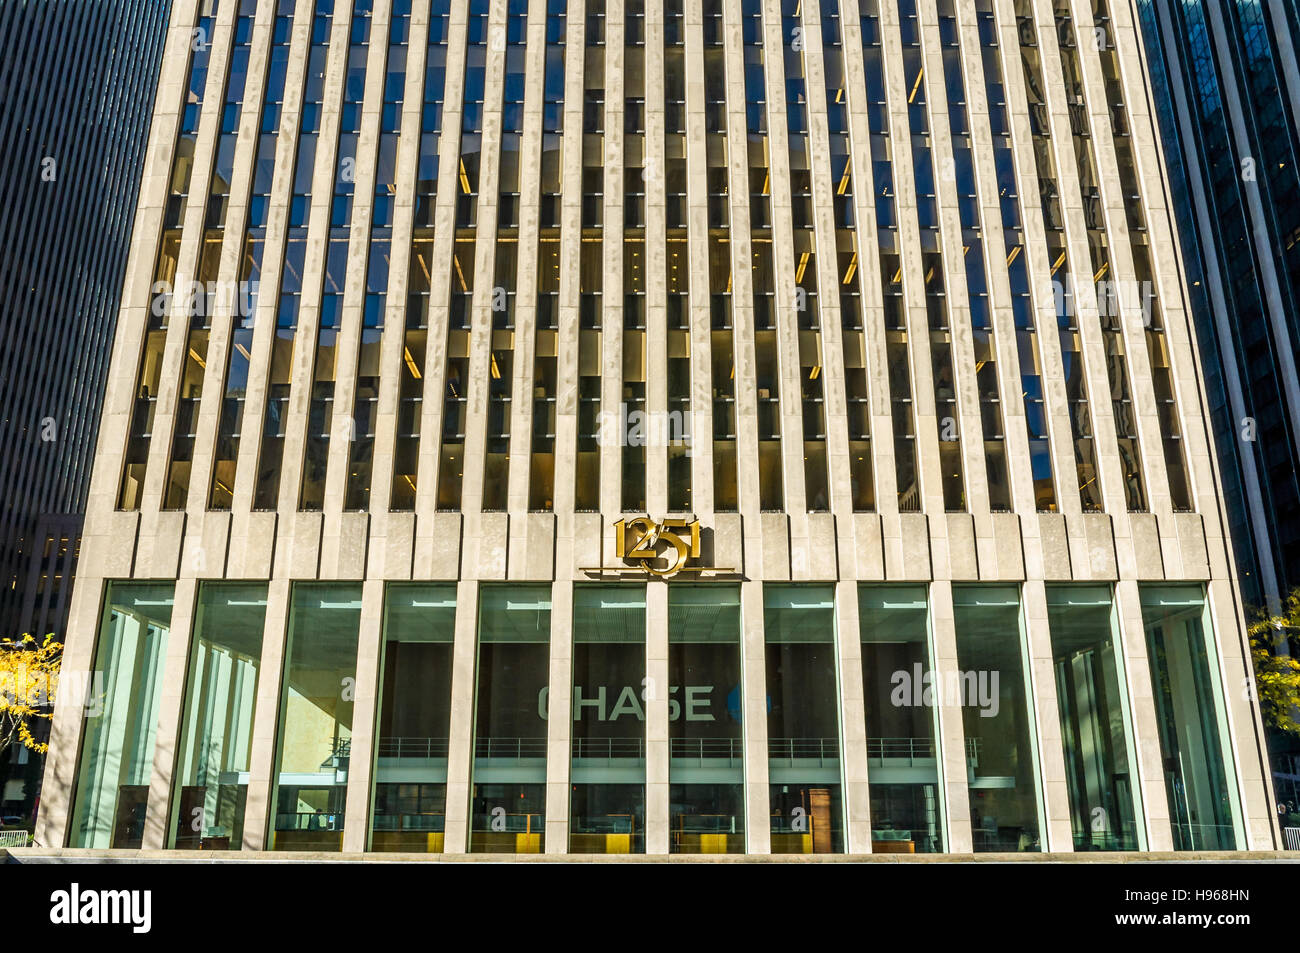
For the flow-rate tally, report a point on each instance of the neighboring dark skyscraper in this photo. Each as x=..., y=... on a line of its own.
x=1227, y=88
x=77, y=84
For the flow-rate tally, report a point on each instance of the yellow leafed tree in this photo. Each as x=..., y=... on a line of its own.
x=29, y=676
x=1277, y=675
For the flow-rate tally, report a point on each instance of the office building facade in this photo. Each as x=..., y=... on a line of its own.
x=76, y=94
x=548, y=460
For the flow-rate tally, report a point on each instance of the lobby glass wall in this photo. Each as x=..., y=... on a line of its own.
x=803, y=725
x=315, y=735
x=706, y=774
x=1095, y=724
x=217, y=730
x=414, y=718
x=1005, y=803
x=607, y=805
x=509, y=790
x=117, y=745
x=1189, y=711
x=903, y=757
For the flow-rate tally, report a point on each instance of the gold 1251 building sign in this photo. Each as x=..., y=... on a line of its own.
x=659, y=547
x=637, y=541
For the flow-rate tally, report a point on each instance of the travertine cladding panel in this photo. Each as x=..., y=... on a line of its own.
x=252, y=545
x=813, y=556
x=999, y=547
x=907, y=547
x=485, y=545
x=588, y=541
x=206, y=540
x=869, y=552
x=1188, y=542
x=1056, y=545
x=297, y=551
x=774, y=559
x=1092, y=547
x=962, y=561
x=343, y=546
x=158, y=550
x=727, y=542
x=392, y=545
x=1146, y=546
x=532, y=546
x=437, y=546
x=112, y=538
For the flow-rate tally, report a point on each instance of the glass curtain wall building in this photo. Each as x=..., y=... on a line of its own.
x=1225, y=84
x=74, y=127
x=775, y=464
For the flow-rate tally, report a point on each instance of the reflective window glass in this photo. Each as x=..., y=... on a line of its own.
x=121, y=701
x=990, y=687
x=707, y=813
x=803, y=733
x=1095, y=724
x=1189, y=714
x=903, y=758
x=315, y=740
x=607, y=798
x=217, y=728
x=414, y=718
x=509, y=790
